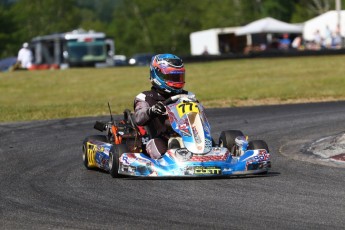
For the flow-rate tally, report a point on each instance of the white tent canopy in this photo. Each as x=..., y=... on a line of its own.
x=320, y=23
x=269, y=25
x=208, y=40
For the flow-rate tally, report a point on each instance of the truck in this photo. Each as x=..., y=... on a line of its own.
x=77, y=48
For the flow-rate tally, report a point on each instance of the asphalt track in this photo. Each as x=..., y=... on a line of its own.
x=44, y=184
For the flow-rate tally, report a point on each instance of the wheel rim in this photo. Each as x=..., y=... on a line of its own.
x=110, y=161
x=84, y=154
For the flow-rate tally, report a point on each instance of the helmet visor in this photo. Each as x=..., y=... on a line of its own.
x=172, y=77
x=175, y=62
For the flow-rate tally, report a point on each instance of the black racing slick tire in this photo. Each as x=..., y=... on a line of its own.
x=86, y=152
x=227, y=139
x=258, y=144
x=114, y=155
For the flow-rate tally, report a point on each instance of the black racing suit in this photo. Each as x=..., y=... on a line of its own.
x=158, y=127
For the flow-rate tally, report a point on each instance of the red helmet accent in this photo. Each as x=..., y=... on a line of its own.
x=176, y=85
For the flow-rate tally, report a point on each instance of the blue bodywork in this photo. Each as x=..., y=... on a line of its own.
x=181, y=162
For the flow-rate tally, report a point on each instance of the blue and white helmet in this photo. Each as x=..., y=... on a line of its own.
x=167, y=73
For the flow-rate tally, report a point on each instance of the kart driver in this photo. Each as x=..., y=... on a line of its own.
x=167, y=76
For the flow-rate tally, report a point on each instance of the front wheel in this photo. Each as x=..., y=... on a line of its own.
x=114, y=155
x=227, y=139
x=88, y=154
x=258, y=144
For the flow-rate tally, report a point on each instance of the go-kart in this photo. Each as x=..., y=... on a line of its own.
x=192, y=152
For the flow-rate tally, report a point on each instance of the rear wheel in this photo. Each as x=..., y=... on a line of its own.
x=114, y=155
x=227, y=139
x=86, y=152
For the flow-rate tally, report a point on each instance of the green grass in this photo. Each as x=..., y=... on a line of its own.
x=32, y=95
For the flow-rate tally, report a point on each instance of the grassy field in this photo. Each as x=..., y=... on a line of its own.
x=33, y=95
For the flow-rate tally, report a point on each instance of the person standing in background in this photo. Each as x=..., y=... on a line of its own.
x=25, y=57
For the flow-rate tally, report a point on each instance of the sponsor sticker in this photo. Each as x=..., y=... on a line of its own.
x=207, y=170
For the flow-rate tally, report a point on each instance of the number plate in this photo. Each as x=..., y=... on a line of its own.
x=187, y=107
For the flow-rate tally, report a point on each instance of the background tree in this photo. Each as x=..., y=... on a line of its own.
x=8, y=41
x=279, y=9
x=221, y=13
x=307, y=9
x=96, y=15
x=161, y=26
x=41, y=17
x=142, y=25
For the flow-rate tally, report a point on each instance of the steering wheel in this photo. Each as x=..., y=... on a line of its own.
x=176, y=97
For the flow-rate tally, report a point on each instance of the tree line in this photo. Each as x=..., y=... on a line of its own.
x=142, y=25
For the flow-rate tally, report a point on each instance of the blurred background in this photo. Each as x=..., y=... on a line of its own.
x=128, y=28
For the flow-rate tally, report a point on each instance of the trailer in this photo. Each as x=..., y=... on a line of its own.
x=217, y=41
x=73, y=49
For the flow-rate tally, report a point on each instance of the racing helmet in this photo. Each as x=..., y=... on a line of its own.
x=167, y=73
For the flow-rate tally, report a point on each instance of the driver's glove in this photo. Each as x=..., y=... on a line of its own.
x=157, y=110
